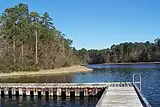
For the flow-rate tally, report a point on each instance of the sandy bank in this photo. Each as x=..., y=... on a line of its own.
x=57, y=71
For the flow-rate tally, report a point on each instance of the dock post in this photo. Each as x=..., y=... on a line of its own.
x=31, y=92
x=68, y=92
x=24, y=91
x=50, y=91
x=72, y=92
x=77, y=92
x=2, y=92
x=39, y=92
x=13, y=91
x=10, y=92
x=5, y=91
x=90, y=92
x=94, y=91
x=47, y=92
x=36, y=91
x=43, y=91
x=86, y=92
x=27, y=91
x=20, y=91
x=63, y=92
x=96, y=94
x=17, y=92
x=54, y=92
x=59, y=92
x=81, y=92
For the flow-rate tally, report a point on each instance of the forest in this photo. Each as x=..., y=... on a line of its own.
x=30, y=41
x=122, y=53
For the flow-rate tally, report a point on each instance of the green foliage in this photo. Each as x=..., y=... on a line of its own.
x=123, y=52
x=20, y=31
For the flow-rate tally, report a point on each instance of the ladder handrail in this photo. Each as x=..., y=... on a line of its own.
x=137, y=82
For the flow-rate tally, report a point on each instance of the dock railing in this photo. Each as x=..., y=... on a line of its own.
x=138, y=90
x=137, y=81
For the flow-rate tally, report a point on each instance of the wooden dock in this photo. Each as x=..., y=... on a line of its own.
x=113, y=94
x=121, y=96
x=52, y=89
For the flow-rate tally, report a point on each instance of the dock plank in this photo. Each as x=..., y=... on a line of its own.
x=119, y=97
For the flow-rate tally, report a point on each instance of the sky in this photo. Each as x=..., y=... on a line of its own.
x=99, y=23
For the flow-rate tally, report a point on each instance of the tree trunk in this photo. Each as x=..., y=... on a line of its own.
x=128, y=57
x=157, y=49
x=14, y=50
x=36, y=47
x=22, y=54
x=108, y=61
x=115, y=55
x=122, y=54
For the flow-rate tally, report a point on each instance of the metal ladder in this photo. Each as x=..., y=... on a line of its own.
x=137, y=82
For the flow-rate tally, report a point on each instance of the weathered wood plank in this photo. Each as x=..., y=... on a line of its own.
x=119, y=97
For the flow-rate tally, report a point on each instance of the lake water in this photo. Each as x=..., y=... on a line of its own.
x=102, y=73
x=49, y=102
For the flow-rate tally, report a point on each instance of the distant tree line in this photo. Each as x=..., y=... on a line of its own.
x=122, y=53
x=30, y=41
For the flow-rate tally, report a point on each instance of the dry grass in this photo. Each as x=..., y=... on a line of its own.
x=57, y=71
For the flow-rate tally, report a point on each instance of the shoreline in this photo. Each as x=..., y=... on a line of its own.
x=62, y=70
x=124, y=63
x=136, y=63
x=56, y=71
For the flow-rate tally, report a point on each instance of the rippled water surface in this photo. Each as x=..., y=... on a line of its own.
x=102, y=73
x=49, y=102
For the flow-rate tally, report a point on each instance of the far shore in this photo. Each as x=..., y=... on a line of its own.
x=60, y=71
x=125, y=63
x=136, y=63
x=56, y=71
